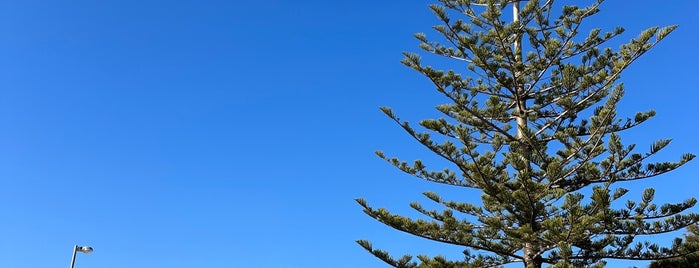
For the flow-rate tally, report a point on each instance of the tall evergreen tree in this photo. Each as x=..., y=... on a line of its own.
x=533, y=128
x=688, y=261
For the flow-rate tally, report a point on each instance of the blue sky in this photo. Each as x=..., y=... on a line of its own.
x=238, y=133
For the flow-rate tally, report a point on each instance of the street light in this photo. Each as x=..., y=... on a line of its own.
x=83, y=249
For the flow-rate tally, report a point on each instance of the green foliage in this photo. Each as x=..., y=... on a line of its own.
x=691, y=244
x=533, y=127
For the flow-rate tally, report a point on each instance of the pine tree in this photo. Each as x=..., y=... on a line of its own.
x=688, y=261
x=533, y=129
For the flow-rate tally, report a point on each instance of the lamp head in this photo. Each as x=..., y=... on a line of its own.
x=85, y=249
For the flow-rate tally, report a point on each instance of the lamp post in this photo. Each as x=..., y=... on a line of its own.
x=82, y=249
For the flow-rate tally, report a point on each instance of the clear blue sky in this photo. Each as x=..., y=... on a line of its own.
x=238, y=133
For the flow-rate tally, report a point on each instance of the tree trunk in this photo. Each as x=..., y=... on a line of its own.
x=531, y=260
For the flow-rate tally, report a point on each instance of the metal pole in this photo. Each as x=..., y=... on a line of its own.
x=72, y=261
